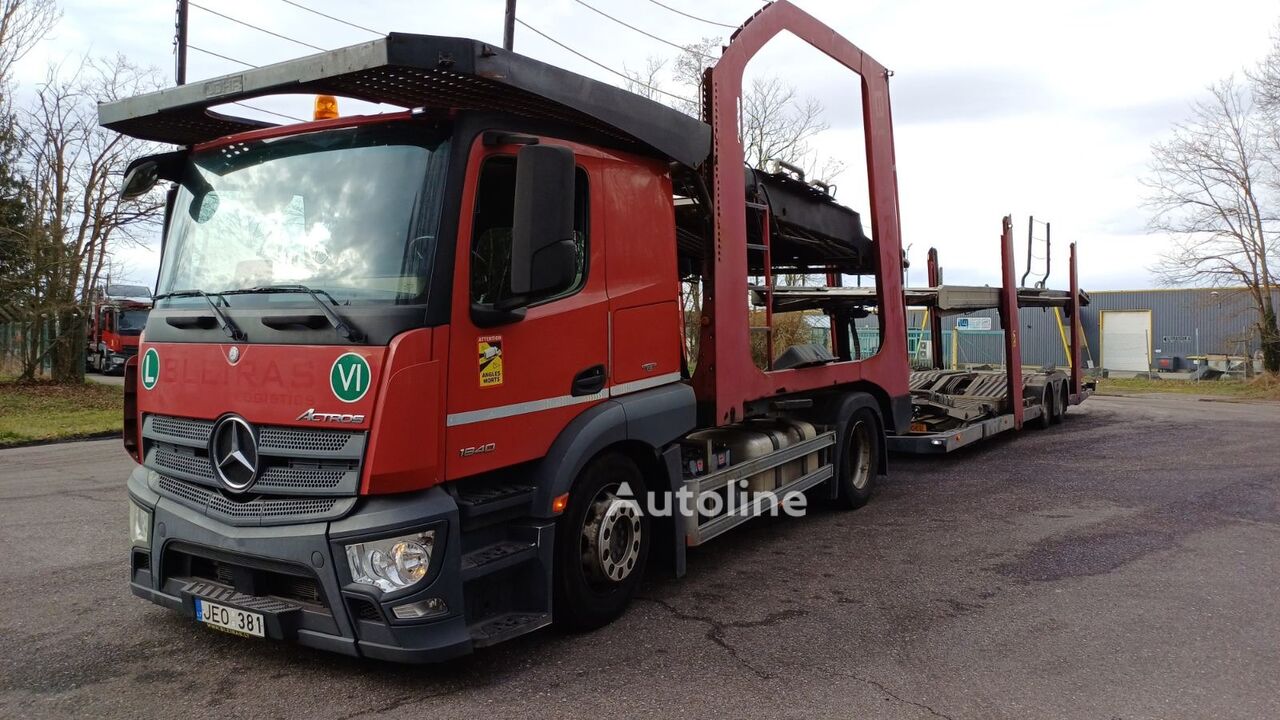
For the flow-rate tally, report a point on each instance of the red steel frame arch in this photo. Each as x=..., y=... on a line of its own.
x=725, y=375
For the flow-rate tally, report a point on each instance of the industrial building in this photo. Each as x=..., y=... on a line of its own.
x=1125, y=330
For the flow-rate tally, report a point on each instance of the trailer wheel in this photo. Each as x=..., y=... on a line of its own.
x=1059, y=403
x=859, y=458
x=1064, y=402
x=1046, y=407
x=602, y=544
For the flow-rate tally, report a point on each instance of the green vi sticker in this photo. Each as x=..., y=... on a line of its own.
x=349, y=377
x=150, y=370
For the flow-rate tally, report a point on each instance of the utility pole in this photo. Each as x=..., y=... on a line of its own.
x=180, y=40
x=508, y=26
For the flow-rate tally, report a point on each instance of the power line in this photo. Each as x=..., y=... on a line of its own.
x=300, y=6
x=642, y=32
x=255, y=27
x=220, y=56
x=269, y=112
x=693, y=17
x=237, y=102
x=601, y=65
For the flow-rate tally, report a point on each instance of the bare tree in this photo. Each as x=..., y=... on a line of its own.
x=689, y=69
x=73, y=168
x=23, y=23
x=646, y=83
x=778, y=123
x=1213, y=191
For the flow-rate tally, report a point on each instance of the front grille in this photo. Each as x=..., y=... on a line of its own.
x=272, y=439
x=300, y=463
x=182, y=461
x=185, y=428
x=329, y=441
x=293, y=477
x=259, y=510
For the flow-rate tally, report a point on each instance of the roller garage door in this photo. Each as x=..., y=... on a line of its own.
x=1126, y=340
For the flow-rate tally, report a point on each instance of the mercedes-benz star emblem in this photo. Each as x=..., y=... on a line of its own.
x=234, y=452
x=233, y=355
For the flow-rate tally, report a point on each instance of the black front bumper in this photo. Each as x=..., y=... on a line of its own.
x=297, y=576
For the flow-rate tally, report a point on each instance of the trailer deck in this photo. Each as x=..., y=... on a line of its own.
x=955, y=408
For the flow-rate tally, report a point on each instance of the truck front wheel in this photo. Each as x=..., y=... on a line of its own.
x=602, y=544
x=859, y=457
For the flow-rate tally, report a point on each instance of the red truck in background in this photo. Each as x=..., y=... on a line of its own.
x=116, y=321
x=417, y=383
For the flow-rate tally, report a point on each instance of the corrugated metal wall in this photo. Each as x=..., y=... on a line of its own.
x=1184, y=321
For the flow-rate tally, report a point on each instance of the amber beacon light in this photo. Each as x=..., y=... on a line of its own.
x=326, y=108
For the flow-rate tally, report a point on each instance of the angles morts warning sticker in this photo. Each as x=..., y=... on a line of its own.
x=490, y=349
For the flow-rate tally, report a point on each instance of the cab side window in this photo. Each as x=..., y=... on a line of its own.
x=491, y=232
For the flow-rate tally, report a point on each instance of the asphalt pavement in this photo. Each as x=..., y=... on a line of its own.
x=104, y=379
x=1124, y=565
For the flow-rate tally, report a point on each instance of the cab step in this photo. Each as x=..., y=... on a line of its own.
x=496, y=557
x=491, y=631
x=476, y=500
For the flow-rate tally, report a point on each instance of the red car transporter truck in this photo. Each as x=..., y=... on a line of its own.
x=116, y=323
x=410, y=378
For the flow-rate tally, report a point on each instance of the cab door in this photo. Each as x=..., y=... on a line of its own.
x=514, y=384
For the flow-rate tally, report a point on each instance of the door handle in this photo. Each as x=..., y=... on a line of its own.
x=589, y=381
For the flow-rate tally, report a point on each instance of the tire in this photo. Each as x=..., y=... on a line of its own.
x=602, y=545
x=859, y=458
x=1059, y=404
x=1046, y=407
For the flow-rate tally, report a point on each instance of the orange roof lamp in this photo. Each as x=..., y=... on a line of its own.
x=326, y=107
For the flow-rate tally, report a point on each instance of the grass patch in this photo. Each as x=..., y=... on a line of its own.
x=1259, y=388
x=44, y=411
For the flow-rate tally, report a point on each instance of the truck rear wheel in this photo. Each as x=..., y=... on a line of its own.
x=859, y=458
x=602, y=544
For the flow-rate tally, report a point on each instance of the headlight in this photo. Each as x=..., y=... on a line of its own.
x=394, y=563
x=139, y=525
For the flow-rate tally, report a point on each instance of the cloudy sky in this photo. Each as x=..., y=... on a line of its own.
x=1044, y=109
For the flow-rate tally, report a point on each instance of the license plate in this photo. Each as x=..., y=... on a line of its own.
x=229, y=619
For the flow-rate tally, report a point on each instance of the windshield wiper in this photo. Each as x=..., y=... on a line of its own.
x=229, y=327
x=344, y=328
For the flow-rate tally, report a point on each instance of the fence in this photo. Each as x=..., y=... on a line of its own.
x=36, y=341
x=960, y=348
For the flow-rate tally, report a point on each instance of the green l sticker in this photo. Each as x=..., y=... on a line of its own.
x=349, y=377
x=150, y=369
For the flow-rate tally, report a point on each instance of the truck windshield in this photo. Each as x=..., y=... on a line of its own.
x=132, y=321
x=351, y=212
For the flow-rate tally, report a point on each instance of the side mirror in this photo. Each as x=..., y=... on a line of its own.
x=544, y=259
x=139, y=179
x=143, y=173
